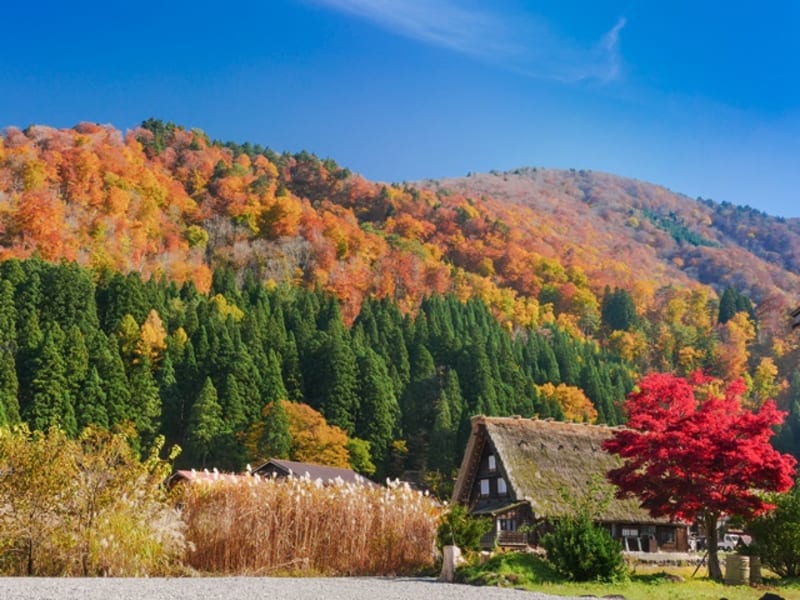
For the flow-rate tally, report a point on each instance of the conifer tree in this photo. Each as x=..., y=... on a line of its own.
x=272, y=380
x=145, y=400
x=76, y=360
x=441, y=450
x=173, y=410
x=546, y=362
x=275, y=440
x=51, y=403
x=9, y=384
x=568, y=366
x=618, y=311
x=727, y=305
x=205, y=424
x=292, y=374
x=111, y=370
x=378, y=412
x=232, y=404
x=91, y=402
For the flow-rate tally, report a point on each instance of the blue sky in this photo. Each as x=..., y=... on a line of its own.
x=702, y=97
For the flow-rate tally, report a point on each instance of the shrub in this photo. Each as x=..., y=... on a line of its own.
x=458, y=528
x=583, y=551
x=87, y=506
x=776, y=535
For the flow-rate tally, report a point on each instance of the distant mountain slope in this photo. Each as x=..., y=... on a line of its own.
x=654, y=231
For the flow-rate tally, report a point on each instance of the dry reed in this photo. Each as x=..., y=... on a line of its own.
x=252, y=525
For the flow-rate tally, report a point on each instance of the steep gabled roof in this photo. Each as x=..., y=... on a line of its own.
x=543, y=459
x=312, y=471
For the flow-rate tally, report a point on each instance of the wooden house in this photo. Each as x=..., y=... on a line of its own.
x=204, y=476
x=278, y=467
x=517, y=471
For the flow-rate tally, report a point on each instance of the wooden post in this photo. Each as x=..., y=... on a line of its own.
x=452, y=557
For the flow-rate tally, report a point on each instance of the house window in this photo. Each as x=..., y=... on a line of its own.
x=629, y=532
x=492, y=463
x=508, y=524
x=667, y=536
x=501, y=486
x=484, y=487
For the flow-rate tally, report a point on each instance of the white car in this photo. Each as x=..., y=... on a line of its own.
x=729, y=542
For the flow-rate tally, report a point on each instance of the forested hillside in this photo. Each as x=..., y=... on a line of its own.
x=201, y=368
x=208, y=291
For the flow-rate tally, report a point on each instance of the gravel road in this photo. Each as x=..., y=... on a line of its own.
x=253, y=588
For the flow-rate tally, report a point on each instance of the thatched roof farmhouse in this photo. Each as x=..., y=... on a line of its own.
x=518, y=471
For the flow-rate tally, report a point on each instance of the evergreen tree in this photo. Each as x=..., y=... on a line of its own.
x=111, y=370
x=9, y=384
x=233, y=404
x=378, y=413
x=205, y=423
x=145, y=400
x=51, y=403
x=474, y=373
x=330, y=373
x=119, y=295
x=546, y=362
x=441, y=450
x=272, y=386
x=76, y=360
x=275, y=440
x=91, y=402
x=618, y=312
x=173, y=410
x=292, y=373
x=567, y=358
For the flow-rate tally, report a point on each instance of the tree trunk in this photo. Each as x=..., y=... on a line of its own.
x=30, y=556
x=714, y=570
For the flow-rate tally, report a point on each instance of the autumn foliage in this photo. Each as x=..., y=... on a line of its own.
x=627, y=270
x=691, y=450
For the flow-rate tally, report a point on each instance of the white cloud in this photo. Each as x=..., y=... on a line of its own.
x=437, y=22
x=519, y=42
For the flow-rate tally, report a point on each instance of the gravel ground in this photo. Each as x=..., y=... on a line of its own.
x=253, y=588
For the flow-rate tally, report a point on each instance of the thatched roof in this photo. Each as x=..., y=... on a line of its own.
x=544, y=459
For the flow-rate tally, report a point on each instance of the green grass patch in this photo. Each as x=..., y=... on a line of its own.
x=532, y=572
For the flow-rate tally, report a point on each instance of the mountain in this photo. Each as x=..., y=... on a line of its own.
x=645, y=231
x=591, y=279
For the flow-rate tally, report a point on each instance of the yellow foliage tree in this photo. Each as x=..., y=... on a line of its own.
x=313, y=440
x=764, y=384
x=574, y=403
x=732, y=352
x=152, y=338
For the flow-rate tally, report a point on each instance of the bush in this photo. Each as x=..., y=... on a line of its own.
x=88, y=506
x=583, y=551
x=776, y=535
x=458, y=528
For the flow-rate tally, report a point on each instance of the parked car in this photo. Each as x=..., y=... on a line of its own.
x=729, y=542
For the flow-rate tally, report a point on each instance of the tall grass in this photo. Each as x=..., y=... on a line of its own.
x=265, y=526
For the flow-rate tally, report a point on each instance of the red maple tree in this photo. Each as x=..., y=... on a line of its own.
x=691, y=452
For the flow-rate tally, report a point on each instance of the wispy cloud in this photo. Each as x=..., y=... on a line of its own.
x=519, y=42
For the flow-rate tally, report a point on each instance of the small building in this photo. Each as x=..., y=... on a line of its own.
x=517, y=470
x=278, y=467
x=204, y=476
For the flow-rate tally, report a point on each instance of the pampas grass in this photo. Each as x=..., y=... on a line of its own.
x=263, y=526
